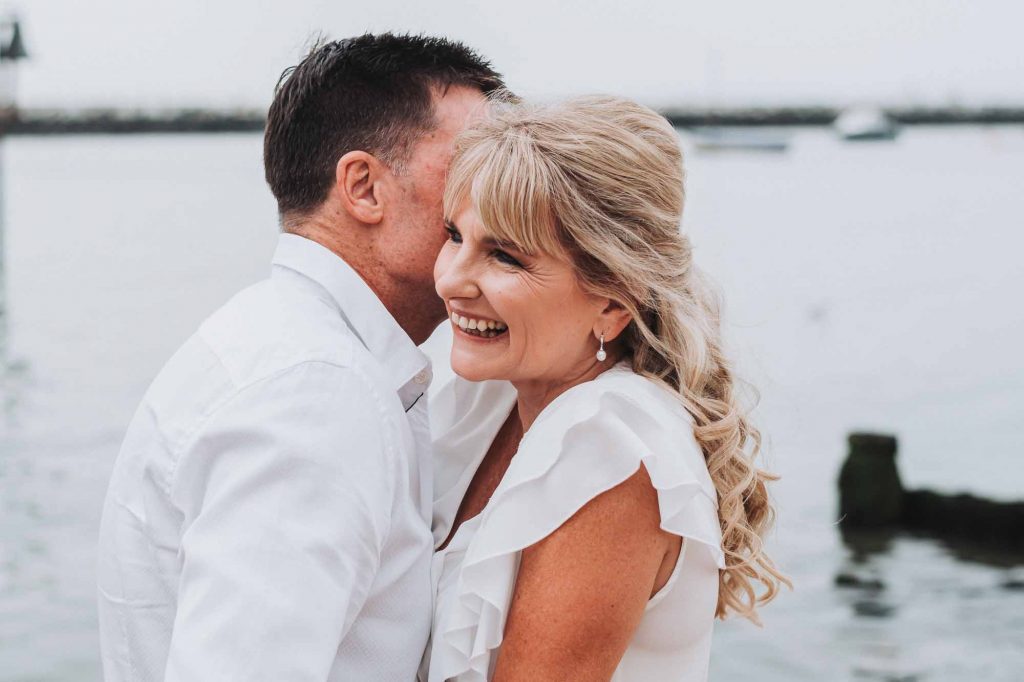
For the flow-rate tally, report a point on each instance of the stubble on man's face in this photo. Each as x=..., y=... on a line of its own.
x=419, y=219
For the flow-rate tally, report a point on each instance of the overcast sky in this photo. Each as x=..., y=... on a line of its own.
x=224, y=53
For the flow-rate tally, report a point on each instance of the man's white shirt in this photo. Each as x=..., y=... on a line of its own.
x=269, y=513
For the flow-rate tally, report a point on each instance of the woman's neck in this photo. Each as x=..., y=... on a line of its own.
x=535, y=395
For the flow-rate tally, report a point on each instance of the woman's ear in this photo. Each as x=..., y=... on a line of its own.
x=360, y=181
x=612, y=320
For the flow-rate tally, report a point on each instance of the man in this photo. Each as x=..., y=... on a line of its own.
x=269, y=512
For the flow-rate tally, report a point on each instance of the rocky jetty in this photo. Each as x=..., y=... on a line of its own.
x=872, y=497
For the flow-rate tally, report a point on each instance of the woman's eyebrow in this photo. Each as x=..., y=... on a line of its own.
x=502, y=244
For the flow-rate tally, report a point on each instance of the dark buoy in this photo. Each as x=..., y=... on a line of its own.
x=13, y=48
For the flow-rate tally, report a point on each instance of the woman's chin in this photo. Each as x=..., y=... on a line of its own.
x=472, y=368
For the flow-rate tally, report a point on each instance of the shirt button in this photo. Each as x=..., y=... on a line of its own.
x=421, y=378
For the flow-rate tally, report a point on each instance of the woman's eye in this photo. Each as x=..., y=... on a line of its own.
x=503, y=257
x=454, y=235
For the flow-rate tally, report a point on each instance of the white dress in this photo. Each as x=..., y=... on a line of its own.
x=588, y=440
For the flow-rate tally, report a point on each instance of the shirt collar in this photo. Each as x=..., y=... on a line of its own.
x=406, y=367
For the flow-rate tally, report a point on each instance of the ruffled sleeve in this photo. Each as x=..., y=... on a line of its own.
x=587, y=441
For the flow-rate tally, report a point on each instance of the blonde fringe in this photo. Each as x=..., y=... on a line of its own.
x=600, y=181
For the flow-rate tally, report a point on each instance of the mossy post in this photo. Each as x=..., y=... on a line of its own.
x=870, y=492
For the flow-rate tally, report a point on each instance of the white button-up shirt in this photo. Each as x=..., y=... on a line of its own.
x=269, y=512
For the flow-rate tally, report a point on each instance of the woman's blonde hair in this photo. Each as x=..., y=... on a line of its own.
x=599, y=180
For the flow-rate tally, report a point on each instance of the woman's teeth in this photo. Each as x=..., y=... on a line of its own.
x=486, y=328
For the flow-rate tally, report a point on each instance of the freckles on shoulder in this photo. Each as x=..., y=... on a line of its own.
x=580, y=593
x=613, y=545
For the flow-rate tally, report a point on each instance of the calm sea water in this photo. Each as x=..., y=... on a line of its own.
x=868, y=286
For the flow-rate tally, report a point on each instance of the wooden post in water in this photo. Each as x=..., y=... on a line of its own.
x=870, y=491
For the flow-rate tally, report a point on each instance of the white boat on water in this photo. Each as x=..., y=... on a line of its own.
x=728, y=139
x=865, y=123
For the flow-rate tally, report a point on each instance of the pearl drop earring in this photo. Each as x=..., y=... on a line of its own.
x=601, y=355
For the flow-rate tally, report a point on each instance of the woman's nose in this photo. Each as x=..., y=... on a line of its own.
x=454, y=275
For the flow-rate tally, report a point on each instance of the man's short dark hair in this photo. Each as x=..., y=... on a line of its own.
x=372, y=93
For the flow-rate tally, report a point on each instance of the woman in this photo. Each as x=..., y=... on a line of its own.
x=596, y=509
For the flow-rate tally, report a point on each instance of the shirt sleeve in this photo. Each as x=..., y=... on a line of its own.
x=287, y=492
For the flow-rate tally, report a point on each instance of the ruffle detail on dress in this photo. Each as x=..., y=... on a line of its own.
x=587, y=441
x=467, y=416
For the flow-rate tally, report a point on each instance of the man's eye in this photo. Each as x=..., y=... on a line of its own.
x=454, y=235
x=503, y=257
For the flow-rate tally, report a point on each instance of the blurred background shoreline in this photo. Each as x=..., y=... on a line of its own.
x=116, y=121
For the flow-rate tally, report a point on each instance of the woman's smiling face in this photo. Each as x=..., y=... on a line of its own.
x=516, y=316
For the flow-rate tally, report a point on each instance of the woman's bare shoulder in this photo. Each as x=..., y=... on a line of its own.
x=581, y=591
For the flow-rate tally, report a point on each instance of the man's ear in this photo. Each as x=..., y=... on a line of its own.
x=360, y=183
x=612, y=320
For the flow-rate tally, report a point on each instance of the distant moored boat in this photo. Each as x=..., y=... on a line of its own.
x=724, y=139
x=865, y=123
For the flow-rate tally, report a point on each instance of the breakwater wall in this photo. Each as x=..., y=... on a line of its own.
x=118, y=121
